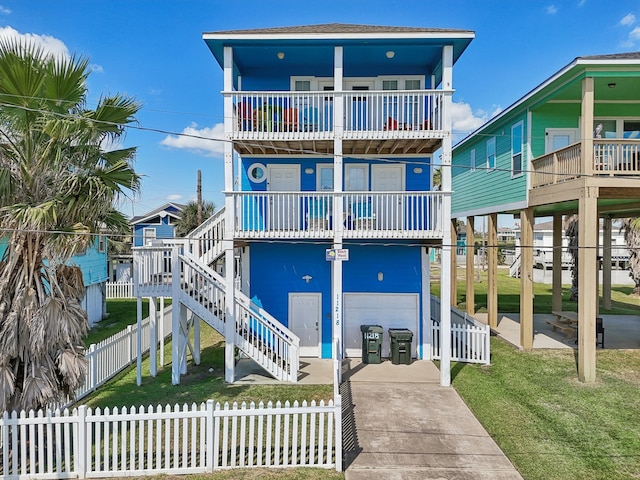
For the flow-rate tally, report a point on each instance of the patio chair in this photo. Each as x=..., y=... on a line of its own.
x=245, y=116
x=363, y=217
x=290, y=120
x=317, y=214
x=310, y=119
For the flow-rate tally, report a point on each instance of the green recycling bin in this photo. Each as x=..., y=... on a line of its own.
x=400, y=345
x=371, y=343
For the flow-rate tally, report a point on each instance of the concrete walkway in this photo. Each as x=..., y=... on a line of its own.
x=399, y=423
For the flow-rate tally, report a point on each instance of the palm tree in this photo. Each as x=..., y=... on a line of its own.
x=571, y=231
x=631, y=229
x=189, y=219
x=58, y=185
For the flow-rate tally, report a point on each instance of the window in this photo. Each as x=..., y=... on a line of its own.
x=472, y=159
x=389, y=85
x=302, y=85
x=491, y=153
x=356, y=177
x=412, y=84
x=324, y=179
x=101, y=243
x=631, y=129
x=516, y=149
x=257, y=173
x=148, y=236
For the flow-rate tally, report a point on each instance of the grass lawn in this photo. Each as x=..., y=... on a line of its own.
x=122, y=313
x=509, y=295
x=550, y=425
x=202, y=382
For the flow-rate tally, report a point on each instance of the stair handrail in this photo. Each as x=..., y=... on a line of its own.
x=193, y=262
x=212, y=249
x=267, y=318
x=212, y=220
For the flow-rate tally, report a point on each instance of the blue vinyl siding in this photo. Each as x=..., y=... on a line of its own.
x=277, y=270
x=92, y=263
x=414, y=181
x=163, y=230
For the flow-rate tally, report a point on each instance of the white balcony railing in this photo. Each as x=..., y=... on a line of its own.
x=300, y=115
x=365, y=214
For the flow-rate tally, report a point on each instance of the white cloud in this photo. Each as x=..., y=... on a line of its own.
x=174, y=196
x=628, y=19
x=207, y=141
x=4, y=10
x=551, y=9
x=48, y=43
x=581, y=3
x=634, y=34
x=464, y=120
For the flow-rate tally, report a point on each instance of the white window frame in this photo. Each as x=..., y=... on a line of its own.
x=514, y=173
x=349, y=166
x=101, y=243
x=319, y=167
x=491, y=141
x=472, y=160
x=148, y=238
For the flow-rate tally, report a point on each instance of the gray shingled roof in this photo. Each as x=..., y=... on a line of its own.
x=613, y=56
x=332, y=28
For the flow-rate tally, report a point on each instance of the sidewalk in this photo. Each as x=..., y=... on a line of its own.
x=399, y=423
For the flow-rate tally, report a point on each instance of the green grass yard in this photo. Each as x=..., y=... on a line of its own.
x=509, y=295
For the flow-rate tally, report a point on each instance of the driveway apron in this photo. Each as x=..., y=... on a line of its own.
x=399, y=423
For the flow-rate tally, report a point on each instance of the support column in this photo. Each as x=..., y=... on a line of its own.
x=587, y=294
x=229, y=313
x=196, y=339
x=162, y=332
x=556, y=283
x=606, y=263
x=427, y=331
x=338, y=205
x=526, y=278
x=492, y=277
x=453, y=300
x=153, y=336
x=176, y=306
x=445, y=280
x=470, y=270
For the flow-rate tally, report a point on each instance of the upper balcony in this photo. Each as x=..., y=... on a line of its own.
x=389, y=122
x=612, y=158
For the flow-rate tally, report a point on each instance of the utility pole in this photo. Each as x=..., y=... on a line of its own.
x=199, y=190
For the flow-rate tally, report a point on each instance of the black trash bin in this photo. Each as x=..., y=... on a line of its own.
x=371, y=343
x=400, y=345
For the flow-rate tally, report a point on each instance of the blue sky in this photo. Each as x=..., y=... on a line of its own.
x=153, y=50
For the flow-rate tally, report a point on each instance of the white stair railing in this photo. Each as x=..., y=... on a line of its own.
x=257, y=334
x=205, y=242
x=514, y=269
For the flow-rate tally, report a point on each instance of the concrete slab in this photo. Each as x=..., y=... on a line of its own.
x=313, y=371
x=621, y=331
x=398, y=422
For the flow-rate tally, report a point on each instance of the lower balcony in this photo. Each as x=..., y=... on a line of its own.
x=376, y=215
x=611, y=158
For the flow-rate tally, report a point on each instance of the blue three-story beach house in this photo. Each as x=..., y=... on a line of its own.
x=330, y=212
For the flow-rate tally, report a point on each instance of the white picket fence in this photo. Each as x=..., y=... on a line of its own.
x=119, y=290
x=470, y=339
x=108, y=357
x=170, y=440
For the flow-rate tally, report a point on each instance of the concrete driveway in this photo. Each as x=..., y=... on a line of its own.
x=398, y=423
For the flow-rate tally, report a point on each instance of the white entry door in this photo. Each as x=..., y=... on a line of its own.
x=283, y=209
x=557, y=138
x=388, y=210
x=305, y=320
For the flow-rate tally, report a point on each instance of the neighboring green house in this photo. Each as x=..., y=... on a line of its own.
x=93, y=263
x=569, y=146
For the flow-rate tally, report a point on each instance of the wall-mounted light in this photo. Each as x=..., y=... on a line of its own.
x=390, y=54
x=611, y=85
x=308, y=170
x=380, y=276
x=280, y=55
x=417, y=170
x=307, y=278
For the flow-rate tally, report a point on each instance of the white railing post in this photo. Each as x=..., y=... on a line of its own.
x=337, y=402
x=210, y=435
x=93, y=367
x=81, y=447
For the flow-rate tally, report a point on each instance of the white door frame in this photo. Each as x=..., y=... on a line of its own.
x=572, y=133
x=319, y=320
